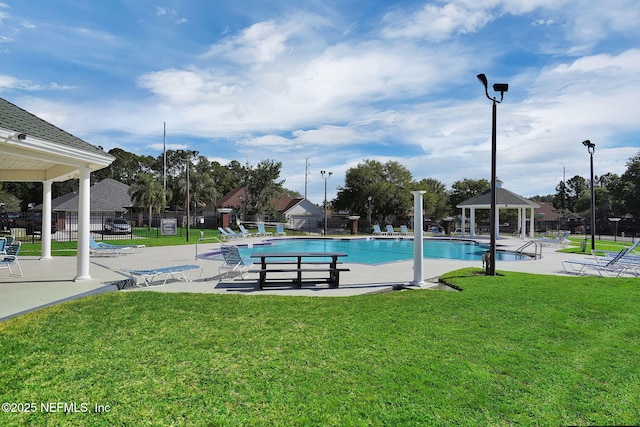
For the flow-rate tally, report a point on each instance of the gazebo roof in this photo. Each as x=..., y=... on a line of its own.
x=32, y=149
x=504, y=199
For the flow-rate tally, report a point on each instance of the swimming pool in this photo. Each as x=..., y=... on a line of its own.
x=380, y=251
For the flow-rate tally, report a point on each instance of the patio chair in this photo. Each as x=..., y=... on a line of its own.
x=233, y=262
x=225, y=234
x=233, y=233
x=106, y=249
x=404, y=230
x=262, y=231
x=614, y=266
x=435, y=230
x=391, y=231
x=377, y=231
x=629, y=259
x=280, y=230
x=561, y=240
x=3, y=244
x=610, y=254
x=10, y=257
x=245, y=232
x=179, y=272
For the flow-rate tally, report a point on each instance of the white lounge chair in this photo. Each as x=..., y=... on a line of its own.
x=10, y=257
x=263, y=232
x=558, y=240
x=280, y=230
x=225, y=234
x=233, y=262
x=377, y=231
x=233, y=233
x=180, y=272
x=106, y=249
x=435, y=230
x=391, y=231
x=245, y=232
x=613, y=266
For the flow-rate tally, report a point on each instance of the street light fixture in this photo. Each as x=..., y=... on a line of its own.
x=502, y=88
x=193, y=154
x=325, y=175
x=591, y=148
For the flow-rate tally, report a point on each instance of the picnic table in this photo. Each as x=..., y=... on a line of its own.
x=298, y=263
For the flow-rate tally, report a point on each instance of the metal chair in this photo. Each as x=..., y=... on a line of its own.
x=10, y=257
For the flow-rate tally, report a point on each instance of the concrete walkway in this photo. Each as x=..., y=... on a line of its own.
x=48, y=282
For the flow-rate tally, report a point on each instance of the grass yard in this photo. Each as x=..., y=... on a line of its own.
x=515, y=349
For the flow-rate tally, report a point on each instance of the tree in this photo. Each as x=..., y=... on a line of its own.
x=436, y=199
x=147, y=191
x=388, y=185
x=466, y=189
x=574, y=188
x=126, y=166
x=262, y=186
x=630, y=186
x=203, y=184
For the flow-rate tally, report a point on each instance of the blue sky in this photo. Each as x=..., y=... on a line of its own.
x=334, y=82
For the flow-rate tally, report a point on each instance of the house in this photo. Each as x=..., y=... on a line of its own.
x=298, y=213
x=109, y=198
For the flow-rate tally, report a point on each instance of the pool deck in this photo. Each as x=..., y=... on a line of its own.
x=48, y=282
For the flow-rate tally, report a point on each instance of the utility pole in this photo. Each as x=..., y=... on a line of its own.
x=306, y=176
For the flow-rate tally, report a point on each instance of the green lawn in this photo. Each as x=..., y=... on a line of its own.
x=514, y=349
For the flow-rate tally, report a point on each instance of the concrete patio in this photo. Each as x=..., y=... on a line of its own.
x=50, y=281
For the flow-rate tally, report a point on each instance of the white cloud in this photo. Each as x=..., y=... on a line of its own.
x=437, y=22
x=164, y=10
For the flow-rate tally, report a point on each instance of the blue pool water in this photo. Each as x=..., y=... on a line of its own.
x=379, y=251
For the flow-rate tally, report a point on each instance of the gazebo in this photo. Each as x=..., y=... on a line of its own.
x=505, y=199
x=34, y=150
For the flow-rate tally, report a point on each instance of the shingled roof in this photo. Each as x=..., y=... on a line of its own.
x=504, y=198
x=32, y=149
x=18, y=120
x=107, y=195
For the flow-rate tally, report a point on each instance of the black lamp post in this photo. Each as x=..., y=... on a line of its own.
x=325, y=176
x=194, y=154
x=502, y=88
x=591, y=147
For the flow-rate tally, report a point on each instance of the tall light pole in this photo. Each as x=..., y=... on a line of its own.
x=591, y=148
x=325, y=175
x=194, y=154
x=502, y=88
x=369, y=211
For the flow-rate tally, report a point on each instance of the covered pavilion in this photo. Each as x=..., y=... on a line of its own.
x=505, y=199
x=34, y=150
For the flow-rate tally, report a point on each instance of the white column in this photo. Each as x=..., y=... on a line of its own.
x=464, y=224
x=84, y=208
x=532, y=228
x=522, y=219
x=472, y=223
x=418, y=248
x=45, y=234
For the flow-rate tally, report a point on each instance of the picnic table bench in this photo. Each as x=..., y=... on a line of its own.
x=298, y=263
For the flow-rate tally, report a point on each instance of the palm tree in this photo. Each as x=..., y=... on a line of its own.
x=147, y=191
